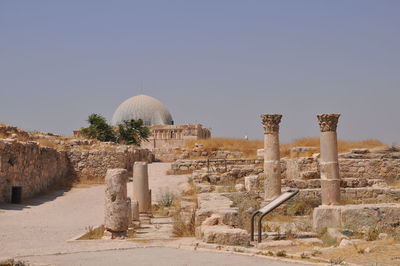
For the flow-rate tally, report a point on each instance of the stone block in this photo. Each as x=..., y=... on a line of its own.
x=214, y=219
x=239, y=187
x=275, y=243
x=326, y=216
x=224, y=235
x=306, y=175
x=250, y=182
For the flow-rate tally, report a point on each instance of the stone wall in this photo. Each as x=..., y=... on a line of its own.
x=386, y=169
x=94, y=163
x=165, y=140
x=384, y=217
x=36, y=161
x=216, y=165
x=362, y=195
x=363, y=164
x=28, y=165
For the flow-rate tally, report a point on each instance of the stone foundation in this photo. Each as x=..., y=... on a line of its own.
x=384, y=216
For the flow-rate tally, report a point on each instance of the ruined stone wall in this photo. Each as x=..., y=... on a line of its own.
x=166, y=139
x=362, y=195
x=300, y=168
x=14, y=132
x=163, y=143
x=92, y=164
x=386, y=169
x=383, y=165
x=36, y=168
x=218, y=165
x=28, y=165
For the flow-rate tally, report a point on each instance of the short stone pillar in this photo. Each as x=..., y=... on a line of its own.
x=330, y=179
x=135, y=210
x=141, y=191
x=116, y=214
x=272, y=168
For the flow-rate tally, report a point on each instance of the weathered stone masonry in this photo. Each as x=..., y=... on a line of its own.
x=28, y=165
x=37, y=168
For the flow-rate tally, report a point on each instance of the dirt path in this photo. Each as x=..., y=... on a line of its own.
x=43, y=225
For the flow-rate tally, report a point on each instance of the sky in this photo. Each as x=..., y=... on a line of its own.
x=220, y=63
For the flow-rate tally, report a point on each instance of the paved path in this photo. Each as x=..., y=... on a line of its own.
x=43, y=225
x=156, y=257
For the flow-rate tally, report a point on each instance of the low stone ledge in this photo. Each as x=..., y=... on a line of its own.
x=385, y=216
x=223, y=235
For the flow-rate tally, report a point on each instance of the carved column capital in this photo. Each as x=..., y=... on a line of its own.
x=328, y=122
x=271, y=123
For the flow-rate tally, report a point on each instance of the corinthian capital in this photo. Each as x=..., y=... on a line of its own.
x=328, y=122
x=271, y=122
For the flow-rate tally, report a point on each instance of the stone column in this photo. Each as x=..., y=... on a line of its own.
x=141, y=186
x=330, y=179
x=135, y=210
x=116, y=215
x=272, y=168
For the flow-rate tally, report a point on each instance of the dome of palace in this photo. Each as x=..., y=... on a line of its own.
x=144, y=107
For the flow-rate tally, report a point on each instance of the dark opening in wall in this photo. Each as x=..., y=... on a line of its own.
x=16, y=195
x=12, y=161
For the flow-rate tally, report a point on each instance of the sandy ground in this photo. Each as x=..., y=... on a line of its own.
x=43, y=225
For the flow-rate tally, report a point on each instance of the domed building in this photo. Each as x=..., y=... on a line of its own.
x=165, y=136
x=144, y=107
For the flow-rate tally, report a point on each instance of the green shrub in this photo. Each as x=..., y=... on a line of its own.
x=336, y=261
x=98, y=129
x=129, y=132
x=132, y=132
x=372, y=234
x=281, y=253
x=167, y=199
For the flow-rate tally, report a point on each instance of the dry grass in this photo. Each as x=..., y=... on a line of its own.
x=343, y=145
x=183, y=221
x=183, y=226
x=247, y=204
x=93, y=233
x=249, y=147
x=46, y=143
x=383, y=252
x=18, y=138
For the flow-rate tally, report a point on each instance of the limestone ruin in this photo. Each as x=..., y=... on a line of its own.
x=117, y=206
x=345, y=197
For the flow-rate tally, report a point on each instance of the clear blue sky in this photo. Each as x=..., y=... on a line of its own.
x=219, y=63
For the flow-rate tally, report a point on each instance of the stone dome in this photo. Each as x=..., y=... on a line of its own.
x=144, y=107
